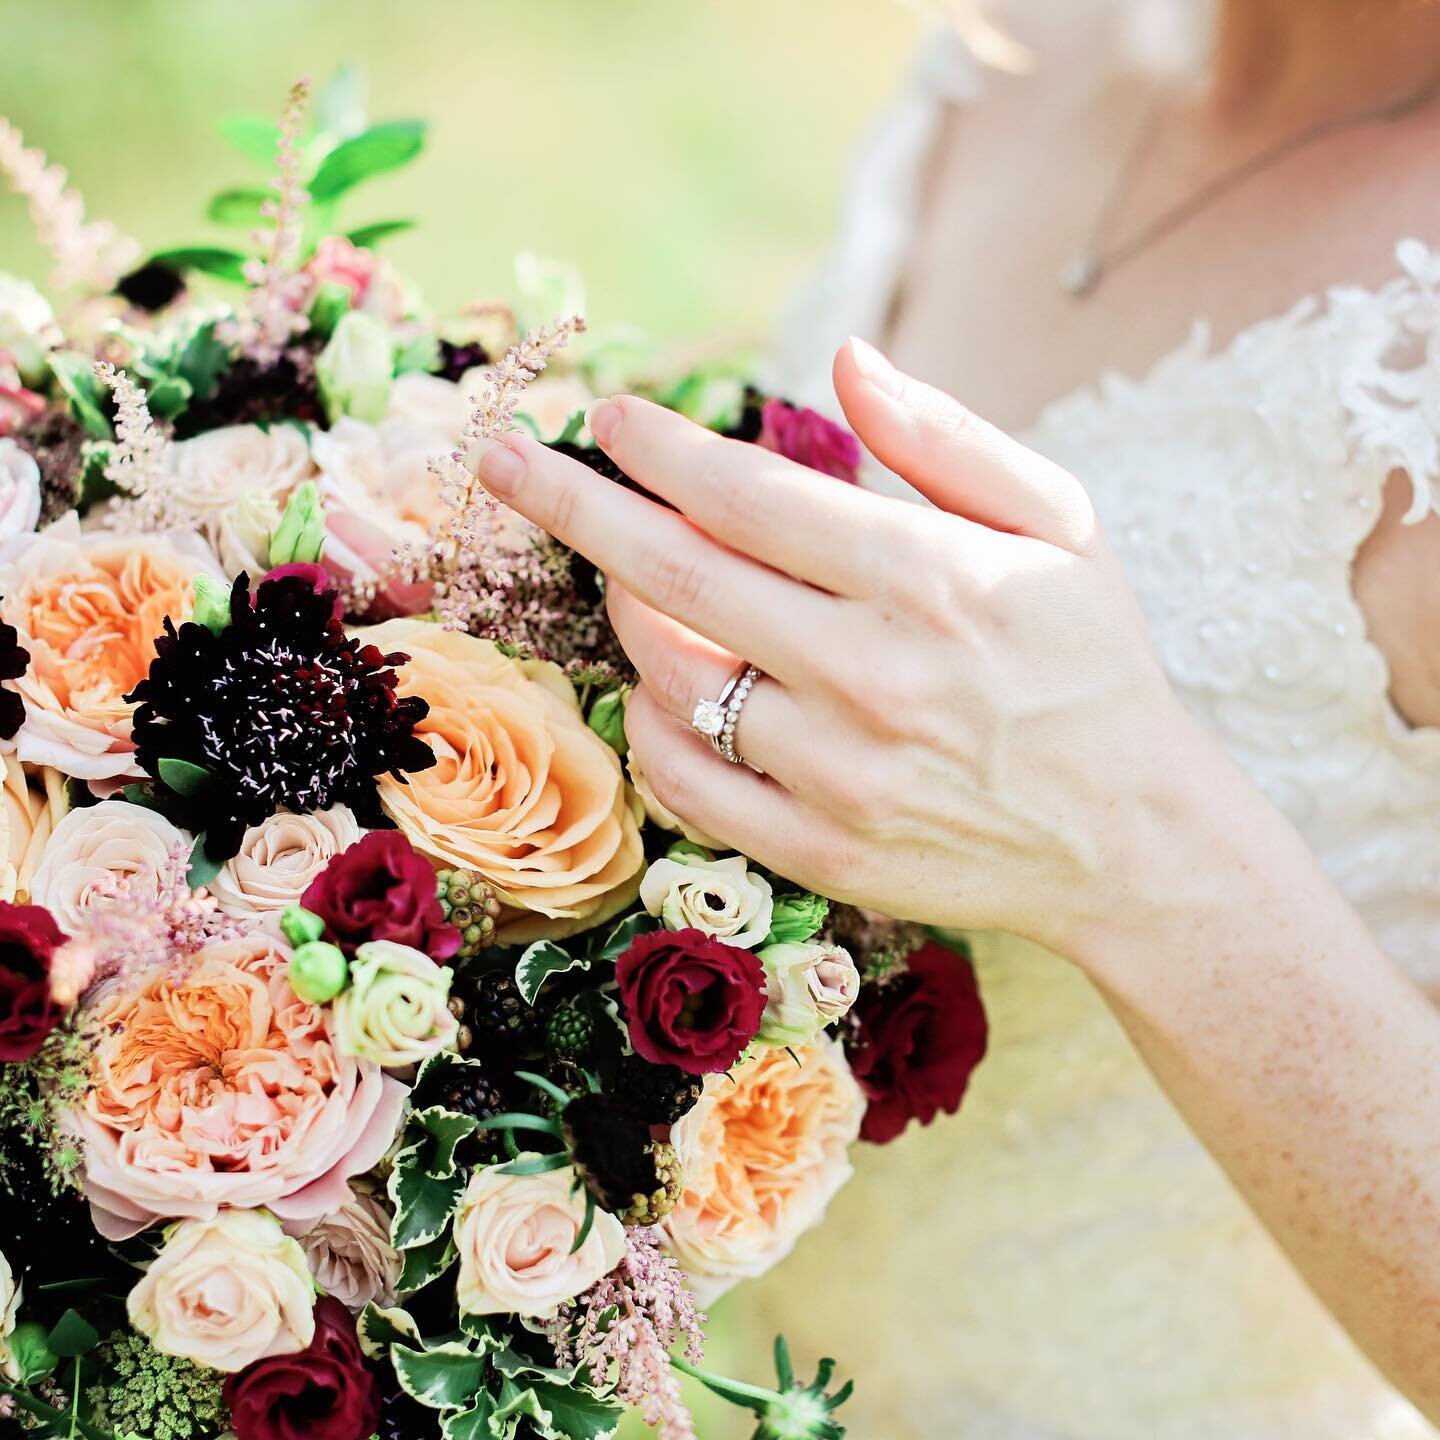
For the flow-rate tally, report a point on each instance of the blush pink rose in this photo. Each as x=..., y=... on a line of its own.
x=219, y=1088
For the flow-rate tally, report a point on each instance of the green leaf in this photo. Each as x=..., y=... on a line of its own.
x=446, y=1129
x=216, y=260
x=141, y=793
x=471, y=1424
x=559, y=1412
x=203, y=359
x=447, y=1377
x=424, y=1264
x=183, y=777
x=339, y=106
x=378, y=1329
x=239, y=207
x=623, y=935
x=73, y=1335
x=254, y=136
x=539, y=962
x=366, y=237
x=534, y=1165
x=168, y=396
x=573, y=426
x=203, y=866
x=89, y=404
x=423, y=1204
x=420, y=355
x=372, y=152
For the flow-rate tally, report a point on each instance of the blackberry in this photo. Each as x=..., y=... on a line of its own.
x=611, y=1150
x=656, y=1094
x=475, y=1092
x=494, y=1015
x=569, y=1031
x=650, y=1207
x=471, y=905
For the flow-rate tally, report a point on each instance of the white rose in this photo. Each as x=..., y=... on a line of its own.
x=19, y=492
x=351, y=1256
x=278, y=859
x=723, y=898
x=808, y=986
x=516, y=1237
x=113, y=839
x=216, y=471
x=394, y=1009
x=9, y=1309
x=429, y=403
x=28, y=331
x=227, y=1292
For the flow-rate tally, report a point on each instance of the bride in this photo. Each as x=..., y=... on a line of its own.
x=1153, y=687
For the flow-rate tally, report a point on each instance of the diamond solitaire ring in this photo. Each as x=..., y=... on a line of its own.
x=716, y=719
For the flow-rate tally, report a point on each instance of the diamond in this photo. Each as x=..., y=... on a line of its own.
x=709, y=718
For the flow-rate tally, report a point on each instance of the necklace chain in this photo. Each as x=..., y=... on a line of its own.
x=1083, y=275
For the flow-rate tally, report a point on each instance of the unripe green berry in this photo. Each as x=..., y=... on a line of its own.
x=319, y=971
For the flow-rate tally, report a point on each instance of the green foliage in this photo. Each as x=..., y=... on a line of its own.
x=217, y=260
x=368, y=236
x=183, y=776
x=387, y=146
x=204, y=867
x=540, y=961
x=88, y=401
x=34, y=1096
x=797, y=918
x=619, y=940
x=158, y=1396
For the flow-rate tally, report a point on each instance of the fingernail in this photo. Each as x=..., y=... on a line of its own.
x=875, y=368
x=603, y=418
x=501, y=470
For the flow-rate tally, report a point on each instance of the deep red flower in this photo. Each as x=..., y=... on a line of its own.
x=382, y=888
x=917, y=1041
x=808, y=438
x=327, y=1392
x=690, y=1000
x=29, y=936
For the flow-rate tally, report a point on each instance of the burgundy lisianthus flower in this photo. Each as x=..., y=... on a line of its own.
x=382, y=888
x=690, y=1000
x=327, y=1392
x=808, y=438
x=29, y=937
x=917, y=1041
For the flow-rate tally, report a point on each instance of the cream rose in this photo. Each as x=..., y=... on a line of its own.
x=30, y=807
x=88, y=608
x=351, y=1256
x=430, y=403
x=524, y=792
x=808, y=986
x=226, y=1292
x=9, y=1311
x=278, y=859
x=763, y=1152
x=723, y=898
x=516, y=1236
x=394, y=1011
x=19, y=491
x=113, y=840
x=215, y=471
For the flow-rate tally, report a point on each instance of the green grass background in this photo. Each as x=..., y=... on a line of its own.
x=686, y=154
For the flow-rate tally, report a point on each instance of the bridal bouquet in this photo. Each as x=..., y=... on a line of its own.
x=377, y=1055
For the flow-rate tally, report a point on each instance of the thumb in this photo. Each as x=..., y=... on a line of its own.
x=960, y=462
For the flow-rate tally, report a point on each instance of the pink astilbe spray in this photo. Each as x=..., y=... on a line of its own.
x=127, y=931
x=137, y=465
x=274, y=310
x=623, y=1329
x=93, y=253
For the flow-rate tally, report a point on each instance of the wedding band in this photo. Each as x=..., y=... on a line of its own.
x=716, y=719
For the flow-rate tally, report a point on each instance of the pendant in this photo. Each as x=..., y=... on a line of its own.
x=1081, y=274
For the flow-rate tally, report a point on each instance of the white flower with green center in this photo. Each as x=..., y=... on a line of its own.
x=721, y=898
x=395, y=1010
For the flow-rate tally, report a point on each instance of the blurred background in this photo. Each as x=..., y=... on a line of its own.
x=686, y=155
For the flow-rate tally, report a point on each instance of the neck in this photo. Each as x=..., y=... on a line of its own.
x=1283, y=63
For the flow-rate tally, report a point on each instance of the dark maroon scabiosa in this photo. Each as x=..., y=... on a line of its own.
x=915, y=1041
x=29, y=938
x=152, y=287
x=455, y=360
x=327, y=1392
x=14, y=662
x=690, y=1000
x=382, y=888
x=279, y=710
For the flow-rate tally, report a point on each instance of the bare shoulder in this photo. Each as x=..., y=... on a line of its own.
x=1397, y=582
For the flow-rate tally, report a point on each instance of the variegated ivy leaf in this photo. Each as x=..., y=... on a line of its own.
x=423, y=1202
x=379, y=1329
x=558, y=1412
x=446, y=1129
x=425, y=1263
x=619, y=940
x=471, y=1424
x=444, y=1377
x=539, y=962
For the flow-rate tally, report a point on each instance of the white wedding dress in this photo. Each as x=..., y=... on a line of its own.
x=1063, y=1260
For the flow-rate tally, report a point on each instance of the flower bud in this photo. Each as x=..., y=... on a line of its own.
x=300, y=536
x=299, y=925
x=395, y=1011
x=607, y=720
x=797, y=918
x=318, y=971
x=212, y=604
x=355, y=369
x=807, y=987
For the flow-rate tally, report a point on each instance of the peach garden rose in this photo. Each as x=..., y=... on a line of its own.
x=524, y=792
x=764, y=1151
x=219, y=1087
x=88, y=608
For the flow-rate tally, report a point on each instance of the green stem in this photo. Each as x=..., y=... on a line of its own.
x=41, y=1411
x=735, y=1391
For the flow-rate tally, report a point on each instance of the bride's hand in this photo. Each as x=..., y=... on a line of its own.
x=963, y=721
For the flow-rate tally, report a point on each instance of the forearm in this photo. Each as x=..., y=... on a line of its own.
x=1300, y=1054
